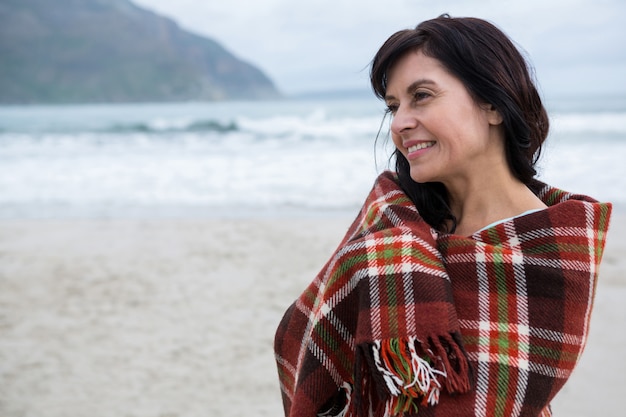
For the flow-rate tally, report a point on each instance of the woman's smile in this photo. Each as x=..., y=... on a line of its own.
x=418, y=149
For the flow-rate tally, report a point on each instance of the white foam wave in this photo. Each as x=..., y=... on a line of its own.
x=314, y=125
x=310, y=157
x=581, y=123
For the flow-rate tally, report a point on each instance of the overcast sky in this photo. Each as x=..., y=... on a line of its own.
x=577, y=46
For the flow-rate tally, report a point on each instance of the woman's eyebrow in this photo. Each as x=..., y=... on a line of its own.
x=413, y=86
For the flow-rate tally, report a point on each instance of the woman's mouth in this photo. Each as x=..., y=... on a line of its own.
x=420, y=146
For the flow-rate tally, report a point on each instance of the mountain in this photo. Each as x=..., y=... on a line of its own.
x=73, y=51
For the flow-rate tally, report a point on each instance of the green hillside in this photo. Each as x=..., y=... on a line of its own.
x=68, y=51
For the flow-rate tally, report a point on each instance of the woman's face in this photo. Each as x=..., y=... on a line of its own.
x=444, y=134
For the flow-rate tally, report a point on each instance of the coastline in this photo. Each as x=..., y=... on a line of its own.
x=176, y=317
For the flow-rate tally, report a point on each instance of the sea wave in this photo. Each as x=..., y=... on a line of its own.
x=173, y=126
x=581, y=123
x=314, y=125
x=211, y=158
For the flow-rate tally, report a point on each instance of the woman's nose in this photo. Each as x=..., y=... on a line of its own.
x=402, y=120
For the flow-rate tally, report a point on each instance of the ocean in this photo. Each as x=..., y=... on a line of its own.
x=287, y=157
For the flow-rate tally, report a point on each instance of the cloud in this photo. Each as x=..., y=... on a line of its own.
x=327, y=43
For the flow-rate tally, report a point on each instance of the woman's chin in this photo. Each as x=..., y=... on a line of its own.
x=419, y=176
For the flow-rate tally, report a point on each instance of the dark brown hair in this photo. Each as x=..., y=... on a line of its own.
x=494, y=72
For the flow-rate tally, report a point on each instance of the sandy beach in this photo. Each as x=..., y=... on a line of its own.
x=176, y=317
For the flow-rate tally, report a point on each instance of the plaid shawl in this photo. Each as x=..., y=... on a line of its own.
x=403, y=319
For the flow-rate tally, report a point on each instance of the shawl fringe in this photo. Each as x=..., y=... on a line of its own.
x=411, y=373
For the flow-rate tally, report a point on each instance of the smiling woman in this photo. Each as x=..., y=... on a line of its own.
x=499, y=96
x=464, y=286
x=446, y=137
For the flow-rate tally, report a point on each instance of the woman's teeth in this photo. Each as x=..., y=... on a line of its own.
x=421, y=145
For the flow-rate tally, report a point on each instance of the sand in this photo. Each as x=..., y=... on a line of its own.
x=173, y=317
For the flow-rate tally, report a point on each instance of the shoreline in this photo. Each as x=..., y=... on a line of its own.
x=20, y=213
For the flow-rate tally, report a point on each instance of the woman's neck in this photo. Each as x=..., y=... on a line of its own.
x=482, y=201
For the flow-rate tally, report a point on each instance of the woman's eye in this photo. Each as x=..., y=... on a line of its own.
x=421, y=95
x=392, y=108
x=418, y=96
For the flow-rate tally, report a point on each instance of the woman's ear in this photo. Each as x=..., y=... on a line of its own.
x=493, y=115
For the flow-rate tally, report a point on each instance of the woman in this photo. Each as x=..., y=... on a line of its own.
x=464, y=287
